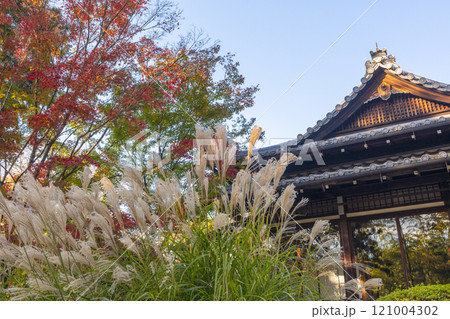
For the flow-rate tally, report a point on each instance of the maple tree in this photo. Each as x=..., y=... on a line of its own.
x=61, y=68
x=212, y=91
x=80, y=77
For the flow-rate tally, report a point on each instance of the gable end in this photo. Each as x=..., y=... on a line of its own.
x=398, y=108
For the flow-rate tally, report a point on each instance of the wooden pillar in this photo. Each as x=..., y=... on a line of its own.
x=346, y=239
x=402, y=252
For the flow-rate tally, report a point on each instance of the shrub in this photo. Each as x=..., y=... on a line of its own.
x=420, y=293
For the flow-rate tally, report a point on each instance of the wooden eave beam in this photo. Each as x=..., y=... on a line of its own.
x=417, y=90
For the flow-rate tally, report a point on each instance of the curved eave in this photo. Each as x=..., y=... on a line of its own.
x=384, y=132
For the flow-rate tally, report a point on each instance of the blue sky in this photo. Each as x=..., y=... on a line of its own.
x=275, y=41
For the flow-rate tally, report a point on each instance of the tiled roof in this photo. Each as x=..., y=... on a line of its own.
x=291, y=146
x=384, y=131
x=380, y=59
x=373, y=167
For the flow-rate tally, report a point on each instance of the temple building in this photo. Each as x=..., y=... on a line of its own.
x=385, y=152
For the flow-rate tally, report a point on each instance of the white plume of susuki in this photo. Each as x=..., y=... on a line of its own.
x=112, y=199
x=106, y=228
x=318, y=228
x=256, y=133
x=358, y=287
x=69, y=259
x=129, y=244
x=220, y=221
x=286, y=200
x=121, y=275
x=191, y=197
x=78, y=285
x=86, y=251
x=284, y=161
x=86, y=176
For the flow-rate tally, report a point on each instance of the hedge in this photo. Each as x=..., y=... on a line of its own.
x=420, y=293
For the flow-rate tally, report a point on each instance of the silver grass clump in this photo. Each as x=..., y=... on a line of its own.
x=68, y=243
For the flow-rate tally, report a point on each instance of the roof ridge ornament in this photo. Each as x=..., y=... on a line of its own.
x=378, y=52
x=380, y=58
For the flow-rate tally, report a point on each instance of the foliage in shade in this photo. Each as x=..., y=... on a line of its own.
x=427, y=241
